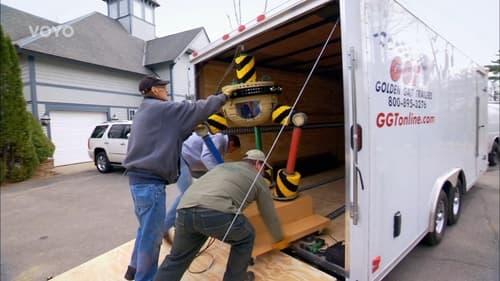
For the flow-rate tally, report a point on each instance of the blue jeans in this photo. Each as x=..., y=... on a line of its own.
x=193, y=227
x=183, y=182
x=149, y=206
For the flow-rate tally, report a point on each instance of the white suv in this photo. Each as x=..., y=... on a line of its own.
x=107, y=145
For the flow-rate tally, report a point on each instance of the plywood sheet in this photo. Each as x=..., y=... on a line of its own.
x=273, y=266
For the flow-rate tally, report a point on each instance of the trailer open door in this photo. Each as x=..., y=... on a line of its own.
x=482, y=123
x=356, y=150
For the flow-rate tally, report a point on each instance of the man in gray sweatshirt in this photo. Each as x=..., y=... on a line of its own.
x=152, y=161
x=208, y=208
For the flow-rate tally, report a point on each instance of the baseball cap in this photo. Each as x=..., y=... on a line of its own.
x=256, y=154
x=150, y=81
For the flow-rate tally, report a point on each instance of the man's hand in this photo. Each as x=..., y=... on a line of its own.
x=201, y=130
x=280, y=245
x=227, y=92
x=229, y=89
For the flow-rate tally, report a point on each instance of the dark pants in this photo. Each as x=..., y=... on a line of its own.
x=193, y=227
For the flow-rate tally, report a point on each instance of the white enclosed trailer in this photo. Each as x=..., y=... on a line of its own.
x=417, y=102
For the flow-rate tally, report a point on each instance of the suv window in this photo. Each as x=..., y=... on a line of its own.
x=99, y=131
x=119, y=131
x=107, y=145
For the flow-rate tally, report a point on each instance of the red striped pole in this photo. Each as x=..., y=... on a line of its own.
x=294, y=150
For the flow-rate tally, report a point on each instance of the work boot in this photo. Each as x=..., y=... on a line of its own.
x=130, y=274
x=250, y=276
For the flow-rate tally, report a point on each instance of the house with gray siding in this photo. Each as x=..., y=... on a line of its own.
x=86, y=71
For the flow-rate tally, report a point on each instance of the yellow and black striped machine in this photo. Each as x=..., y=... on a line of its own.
x=253, y=103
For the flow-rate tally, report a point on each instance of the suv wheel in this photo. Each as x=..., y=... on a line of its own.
x=102, y=162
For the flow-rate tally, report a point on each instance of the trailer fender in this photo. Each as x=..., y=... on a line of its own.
x=451, y=178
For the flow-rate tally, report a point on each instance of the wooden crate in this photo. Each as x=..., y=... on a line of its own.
x=296, y=217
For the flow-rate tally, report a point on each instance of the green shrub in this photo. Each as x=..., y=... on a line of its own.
x=2, y=172
x=43, y=146
x=22, y=141
x=23, y=160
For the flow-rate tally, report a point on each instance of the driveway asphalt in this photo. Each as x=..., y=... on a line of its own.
x=470, y=248
x=51, y=225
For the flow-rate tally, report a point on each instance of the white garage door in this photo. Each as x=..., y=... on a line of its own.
x=70, y=131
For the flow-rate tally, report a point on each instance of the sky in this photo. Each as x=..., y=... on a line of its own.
x=471, y=26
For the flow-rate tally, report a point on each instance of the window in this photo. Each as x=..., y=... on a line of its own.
x=131, y=114
x=148, y=15
x=138, y=9
x=119, y=131
x=123, y=8
x=249, y=109
x=113, y=9
x=99, y=131
x=126, y=131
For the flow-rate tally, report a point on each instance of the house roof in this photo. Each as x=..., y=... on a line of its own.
x=168, y=48
x=18, y=24
x=93, y=38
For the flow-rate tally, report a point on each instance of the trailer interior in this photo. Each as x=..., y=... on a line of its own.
x=287, y=54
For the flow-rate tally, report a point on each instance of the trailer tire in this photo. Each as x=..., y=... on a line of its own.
x=440, y=220
x=492, y=156
x=455, y=203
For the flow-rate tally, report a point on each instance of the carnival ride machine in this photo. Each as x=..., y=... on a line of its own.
x=252, y=103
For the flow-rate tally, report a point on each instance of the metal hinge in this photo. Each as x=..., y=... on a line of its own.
x=354, y=213
x=352, y=59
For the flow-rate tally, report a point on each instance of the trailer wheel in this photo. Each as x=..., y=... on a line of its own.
x=492, y=156
x=455, y=203
x=440, y=220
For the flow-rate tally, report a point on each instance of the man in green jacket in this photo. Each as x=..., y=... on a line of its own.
x=209, y=206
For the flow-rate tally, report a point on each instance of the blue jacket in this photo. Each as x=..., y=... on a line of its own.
x=198, y=156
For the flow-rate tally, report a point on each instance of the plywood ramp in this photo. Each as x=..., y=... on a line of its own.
x=272, y=266
x=327, y=196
